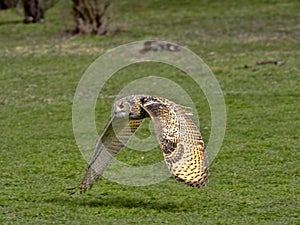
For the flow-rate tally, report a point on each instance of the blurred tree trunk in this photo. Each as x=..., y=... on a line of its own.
x=34, y=11
x=90, y=16
x=8, y=4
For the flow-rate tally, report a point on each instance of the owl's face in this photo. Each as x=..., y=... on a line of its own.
x=121, y=109
x=129, y=107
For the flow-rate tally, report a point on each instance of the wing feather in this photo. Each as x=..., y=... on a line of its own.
x=178, y=136
x=112, y=140
x=180, y=141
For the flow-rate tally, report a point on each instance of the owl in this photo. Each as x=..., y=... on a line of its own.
x=179, y=139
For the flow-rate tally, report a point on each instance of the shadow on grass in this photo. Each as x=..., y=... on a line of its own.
x=3, y=23
x=115, y=201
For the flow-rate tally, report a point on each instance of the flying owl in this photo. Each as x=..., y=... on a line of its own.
x=178, y=137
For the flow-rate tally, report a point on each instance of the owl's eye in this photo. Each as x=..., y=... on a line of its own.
x=121, y=106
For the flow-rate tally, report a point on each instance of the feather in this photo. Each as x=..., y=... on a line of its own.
x=112, y=140
x=178, y=136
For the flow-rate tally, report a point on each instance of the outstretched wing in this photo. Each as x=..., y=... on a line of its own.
x=180, y=141
x=112, y=140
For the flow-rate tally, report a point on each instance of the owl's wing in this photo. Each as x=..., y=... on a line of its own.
x=112, y=140
x=180, y=141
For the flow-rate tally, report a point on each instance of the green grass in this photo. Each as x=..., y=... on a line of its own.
x=255, y=177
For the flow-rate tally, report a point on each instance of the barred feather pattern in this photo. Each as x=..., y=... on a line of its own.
x=178, y=136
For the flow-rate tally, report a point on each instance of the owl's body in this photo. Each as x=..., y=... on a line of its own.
x=178, y=136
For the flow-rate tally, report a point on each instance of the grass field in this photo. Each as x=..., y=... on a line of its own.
x=253, y=180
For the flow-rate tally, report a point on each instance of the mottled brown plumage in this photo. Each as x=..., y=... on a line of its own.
x=179, y=139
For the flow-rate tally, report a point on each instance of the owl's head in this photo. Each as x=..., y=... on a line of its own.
x=129, y=107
